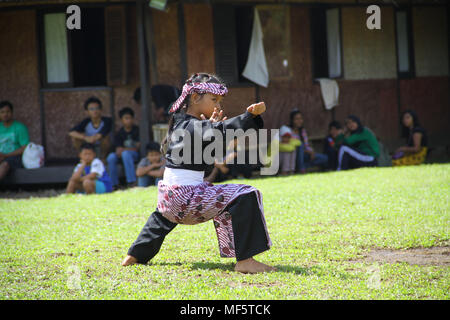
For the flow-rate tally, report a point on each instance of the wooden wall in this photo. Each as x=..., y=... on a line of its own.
x=19, y=81
x=374, y=98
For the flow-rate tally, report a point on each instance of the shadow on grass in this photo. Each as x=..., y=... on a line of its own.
x=197, y=265
x=230, y=267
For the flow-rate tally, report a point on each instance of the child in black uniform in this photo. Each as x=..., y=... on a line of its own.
x=183, y=195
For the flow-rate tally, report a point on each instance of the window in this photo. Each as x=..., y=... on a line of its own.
x=233, y=27
x=276, y=27
x=232, y=35
x=73, y=58
x=405, y=52
x=431, y=41
x=244, y=27
x=56, y=53
x=326, y=42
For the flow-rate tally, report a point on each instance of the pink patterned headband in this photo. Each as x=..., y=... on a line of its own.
x=199, y=87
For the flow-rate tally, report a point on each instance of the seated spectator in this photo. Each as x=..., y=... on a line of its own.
x=126, y=148
x=151, y=168
x=306, y=156
x=94, y=129
x=329, y=145
x=90, y=175
x=415, y=150
x=232, y=160
x=358, y=147
x=221, y=171
x=287, y=148
x=13, y=140
x=229, y=168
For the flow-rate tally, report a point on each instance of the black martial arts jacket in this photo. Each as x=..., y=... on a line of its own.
x=197, y=130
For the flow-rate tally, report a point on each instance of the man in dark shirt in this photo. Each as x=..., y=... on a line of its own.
x=95, y=129
x=126, y=146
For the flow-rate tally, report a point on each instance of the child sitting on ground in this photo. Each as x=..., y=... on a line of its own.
x=89, y=175
x=330, y=147
x=229, y=168
x=151, y=168
x=288, y=145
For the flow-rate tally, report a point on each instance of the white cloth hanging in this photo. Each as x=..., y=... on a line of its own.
x=256, y=67
x=330, y=92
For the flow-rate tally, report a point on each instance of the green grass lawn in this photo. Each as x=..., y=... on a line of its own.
x=321, y=227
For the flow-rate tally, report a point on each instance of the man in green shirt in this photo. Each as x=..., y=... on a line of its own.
x=13, y=139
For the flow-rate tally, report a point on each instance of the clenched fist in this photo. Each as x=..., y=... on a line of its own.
x=257, y=108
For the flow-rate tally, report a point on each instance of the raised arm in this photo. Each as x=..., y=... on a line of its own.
x=251, y=118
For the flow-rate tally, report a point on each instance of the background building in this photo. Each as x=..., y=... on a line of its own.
x=47, y=71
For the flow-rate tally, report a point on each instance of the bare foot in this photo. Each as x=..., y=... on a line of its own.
x=252, y=266
x=129, y=260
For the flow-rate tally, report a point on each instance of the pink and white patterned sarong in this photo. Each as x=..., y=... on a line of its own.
x=193, y=204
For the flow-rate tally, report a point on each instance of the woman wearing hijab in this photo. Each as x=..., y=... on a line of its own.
x=415, y=150
x=358, y=148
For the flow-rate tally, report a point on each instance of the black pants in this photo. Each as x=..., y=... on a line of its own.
x=349, y=158
x=244, y=169
x=250, y=237
x=332, y=157
x=151, y=238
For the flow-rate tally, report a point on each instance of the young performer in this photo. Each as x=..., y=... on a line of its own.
x=185, y=198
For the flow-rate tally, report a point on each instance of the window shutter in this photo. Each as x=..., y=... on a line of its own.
x=319, y=43
x=116, y=45
x=225, y=43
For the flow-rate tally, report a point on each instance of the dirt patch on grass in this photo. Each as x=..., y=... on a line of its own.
x=59, y=254
x=436, y=256
x=256, y=285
